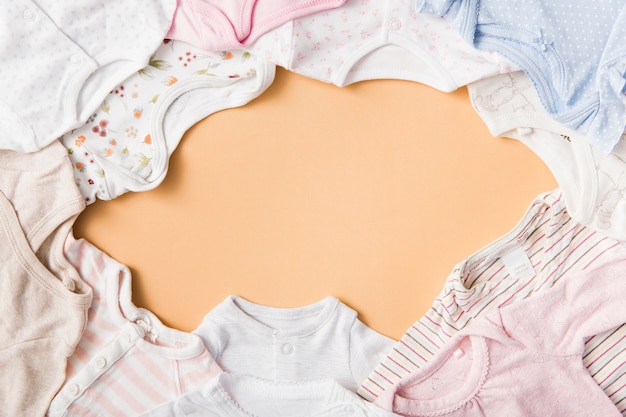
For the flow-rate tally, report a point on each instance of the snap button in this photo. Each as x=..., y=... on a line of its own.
x=287, y=349
x=469, y=404
x=75, y=59
x=70, y=284
x=395, y=24
x=29, y=15
x=73, y=389
x=100, y=363
x=349, y=409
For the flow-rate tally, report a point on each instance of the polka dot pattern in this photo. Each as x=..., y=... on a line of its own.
x=572, y=51
x=372, y=39
x=60, y=59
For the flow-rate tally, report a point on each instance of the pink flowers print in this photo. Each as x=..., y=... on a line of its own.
x=101, y=128
x=187, y=58
x=119, y=91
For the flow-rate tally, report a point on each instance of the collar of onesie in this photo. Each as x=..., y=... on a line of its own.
x=36, y=228
x=281, y=323
x=546, y=212
x=473, y=380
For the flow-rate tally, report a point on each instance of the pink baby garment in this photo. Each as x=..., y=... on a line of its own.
x=547, y=246
x=43, y=301
x=593, y=184
x=524, y=359
x=61, y=58
x=127, y=362
x=215, y=25
x=126, y=144
x=378, y=39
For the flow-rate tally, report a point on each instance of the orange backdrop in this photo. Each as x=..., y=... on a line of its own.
x=371, y=193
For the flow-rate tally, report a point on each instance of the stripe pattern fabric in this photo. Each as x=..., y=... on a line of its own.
x=556, y=246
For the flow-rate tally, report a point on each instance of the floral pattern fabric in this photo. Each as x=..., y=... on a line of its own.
x=125, y=145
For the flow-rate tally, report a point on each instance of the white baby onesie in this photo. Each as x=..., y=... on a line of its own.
x=61, y=58
x=545, y=247
x=126, y=144
x=321, y=340
x=127, y=362
x=593, y=184
x=374, y=39
x=232, y=395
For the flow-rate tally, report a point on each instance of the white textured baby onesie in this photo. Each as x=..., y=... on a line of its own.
x=232, y=395
x=545, y=247
x=61, y=58
x=43, y=301
x=321, y=340
x=126, y=143
x=593, y=184
x=375, y=39
x=127, y=362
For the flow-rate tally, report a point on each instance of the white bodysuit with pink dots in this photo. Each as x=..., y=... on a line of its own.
x=373, y=39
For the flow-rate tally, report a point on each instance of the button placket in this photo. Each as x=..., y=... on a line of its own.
x=100, y=363
x=395, y=24
x=73, y=390
x=287, y=348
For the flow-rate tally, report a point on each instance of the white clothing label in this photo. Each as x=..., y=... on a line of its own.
x=517, y=264
x=458, y=353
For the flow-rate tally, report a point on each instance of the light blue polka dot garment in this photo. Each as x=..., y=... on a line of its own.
x=574, y=51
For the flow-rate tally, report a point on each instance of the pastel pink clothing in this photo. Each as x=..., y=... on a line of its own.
x=545, y=247
x=43, y=301
x=215, y=25
x=524, y=359
x=378, y=39
x=127, y=362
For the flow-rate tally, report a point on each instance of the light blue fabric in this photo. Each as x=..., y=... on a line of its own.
x=574, y=51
